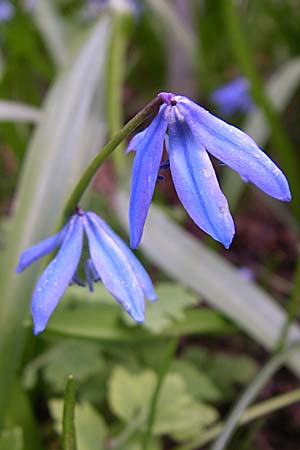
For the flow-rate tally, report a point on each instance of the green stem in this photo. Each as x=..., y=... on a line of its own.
x=68, y=434
x=279, y=135
x=250, y=393
x=162, y=373
x=261, y=409
x=292, y=306
x=115, y=80
x=90, y=171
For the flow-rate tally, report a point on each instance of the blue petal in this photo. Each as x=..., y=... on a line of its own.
x=135, y=141
x=40, y=249
x=235, y=148
x=144, y=174
x=114, y=269
x=233, y=96
x=196, y=183
x=141, y=274
x=57, y=275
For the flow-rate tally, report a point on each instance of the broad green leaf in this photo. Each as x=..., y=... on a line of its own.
x=18, y=112
x=62, y=145
x=91, y=429
x=224, y=370
x=11, y=439
x=129, y=394
x=198, y=383
x=178, y=413
x=190, y=262
x=229, y=370
x=98, y=316
x=80, y=359
x=169, y=309
x=135, y=443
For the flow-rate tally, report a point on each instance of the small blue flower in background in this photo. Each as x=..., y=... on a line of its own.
x=7, y=10
x=191, y=130
x=110, y=260
x=233, y=97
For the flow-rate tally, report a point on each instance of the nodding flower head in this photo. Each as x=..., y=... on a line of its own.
x=111, y=261
x=233, y=97
x=7, y=10
x=189, y=132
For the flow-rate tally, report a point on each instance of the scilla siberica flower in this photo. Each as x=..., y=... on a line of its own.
x=110, y=261
x=191, y=130
x=233, y=96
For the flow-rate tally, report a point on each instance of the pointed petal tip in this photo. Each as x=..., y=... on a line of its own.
x=19, y=268
x=38, y=328
x=134, y=243
x=138, y=317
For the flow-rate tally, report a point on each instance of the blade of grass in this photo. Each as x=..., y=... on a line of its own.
x=279, y=136
x=18, y=112
x=56, y=156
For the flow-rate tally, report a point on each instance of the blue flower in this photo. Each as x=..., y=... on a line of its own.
x=7, y=10
x=233, y=96
x=110, y=260
x=191, y=130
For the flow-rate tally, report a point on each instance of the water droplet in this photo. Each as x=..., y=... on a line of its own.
x=206, y=172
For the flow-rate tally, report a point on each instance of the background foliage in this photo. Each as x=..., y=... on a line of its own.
x=71, y=73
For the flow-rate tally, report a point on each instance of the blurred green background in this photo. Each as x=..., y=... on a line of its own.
x=71, y=74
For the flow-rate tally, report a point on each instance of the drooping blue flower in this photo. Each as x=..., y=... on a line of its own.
x=7, y=10
x=233, y=97
x=110, y=261
x=190, y=131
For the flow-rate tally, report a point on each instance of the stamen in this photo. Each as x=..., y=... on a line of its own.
x=91, y=274
x=165, y=165
x=76, y=280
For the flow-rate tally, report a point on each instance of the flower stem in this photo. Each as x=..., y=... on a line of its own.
x=104, y=153
x=256, y=411
x=154, y=400
x=292, y=306
x=68, y=434
x=250, y=393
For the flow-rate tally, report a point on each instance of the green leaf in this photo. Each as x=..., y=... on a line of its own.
x=81, y=359
x=18, y=112
x=190, y=262
x=135, y=443
x=98, y=316
x=173, y=299
x=11, y=439
x=62, y=145
x=198, y=384
x=91, y=429
x=53, y=30
x=129, y=394
x=178, y=413
x=227, y=370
